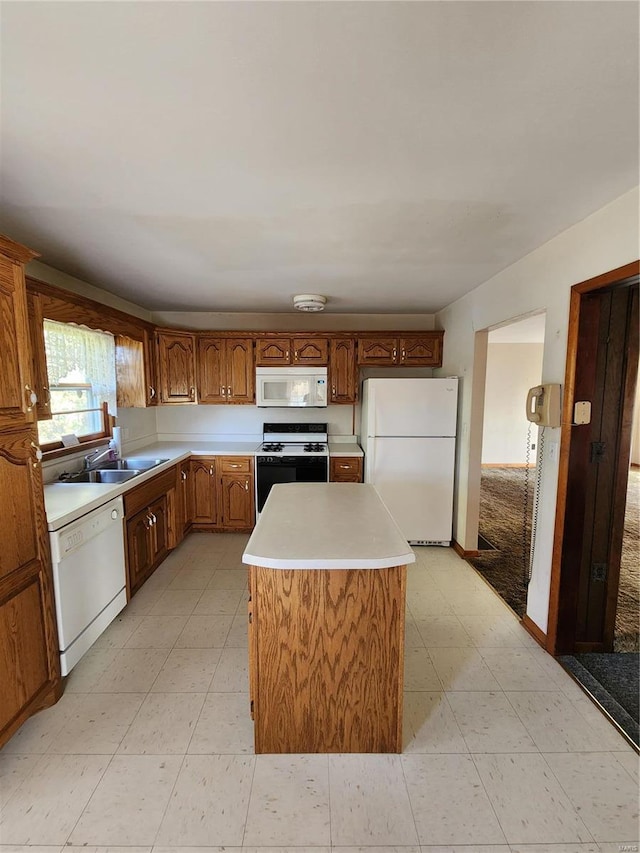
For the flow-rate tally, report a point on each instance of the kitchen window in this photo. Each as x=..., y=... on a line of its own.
x=82, y=382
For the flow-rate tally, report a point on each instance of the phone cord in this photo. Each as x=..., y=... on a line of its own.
x=526, y=570
x=536, y=502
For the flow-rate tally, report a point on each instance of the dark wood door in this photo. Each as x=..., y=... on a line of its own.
x=237, y=500
x=382, y=351
x=311, y=351
x=212, y=379
x=607, y=363
x=343, y=371
x=240, y=370
x=177, y=368
x=273, y=351
x=205, y=510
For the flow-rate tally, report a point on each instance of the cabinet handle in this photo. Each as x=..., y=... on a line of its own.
x=222, y=391
x=287, y=354
x=395, y=353
x=233, y=465
x=346, y=467
x=246, y=485
x=154, y=520
x=295, y=355
x=403, y=353
x=47, y=392
x=211, y=470
x=152, y=392
x=32, y=397
x=147, y=523
x=37, y=454
x=192, y=392
x=228, y=390
x=250, y=618
x=183, y=474
x=333, y=390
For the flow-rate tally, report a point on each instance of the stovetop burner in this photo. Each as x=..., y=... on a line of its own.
x=272, y=447
x=314, y=447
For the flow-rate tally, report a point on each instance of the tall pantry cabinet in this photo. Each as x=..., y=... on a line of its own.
x=29, y=662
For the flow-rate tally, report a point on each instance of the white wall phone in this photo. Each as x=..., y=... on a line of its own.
x=543, y=405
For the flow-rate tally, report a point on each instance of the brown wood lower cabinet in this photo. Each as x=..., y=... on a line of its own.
x=223, y=492
x=345, y=469
x=148, y=526
x=326, y=659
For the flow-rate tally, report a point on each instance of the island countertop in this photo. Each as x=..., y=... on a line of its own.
x=326, y=526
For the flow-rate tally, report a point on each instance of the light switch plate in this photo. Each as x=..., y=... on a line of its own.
x=582, y=412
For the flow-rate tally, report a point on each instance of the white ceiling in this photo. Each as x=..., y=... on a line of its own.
x=223, y=156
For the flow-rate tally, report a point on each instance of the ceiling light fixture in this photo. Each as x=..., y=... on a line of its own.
x=309, y=302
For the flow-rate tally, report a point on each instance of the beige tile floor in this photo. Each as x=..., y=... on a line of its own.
x=151, y=745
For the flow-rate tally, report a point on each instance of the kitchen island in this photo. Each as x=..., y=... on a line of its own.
x=327, y=581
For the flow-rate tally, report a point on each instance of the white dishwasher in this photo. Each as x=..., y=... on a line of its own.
x=89, y=578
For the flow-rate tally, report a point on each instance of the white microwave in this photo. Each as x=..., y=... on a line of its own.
x=291, y=386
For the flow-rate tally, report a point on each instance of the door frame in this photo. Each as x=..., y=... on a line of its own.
x=578, y=291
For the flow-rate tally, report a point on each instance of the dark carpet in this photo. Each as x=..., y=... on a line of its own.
x=502, y=524
x=613, y=680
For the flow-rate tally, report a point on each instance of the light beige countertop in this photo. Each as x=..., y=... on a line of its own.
x=66, y=502
x=343, y=448
x=326, y=526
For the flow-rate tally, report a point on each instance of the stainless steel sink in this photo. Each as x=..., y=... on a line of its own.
x=101, y=475
x=131, y=462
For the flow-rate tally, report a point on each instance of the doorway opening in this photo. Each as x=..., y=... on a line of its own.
x=594, y=602
x=508, y=459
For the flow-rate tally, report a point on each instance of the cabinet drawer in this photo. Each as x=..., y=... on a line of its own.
x=345, y=469
x=236, y=465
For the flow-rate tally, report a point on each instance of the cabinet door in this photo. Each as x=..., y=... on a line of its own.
x=240, y=370
x=139, y=549
x=425, y=350
x=212, y=375
x=237, y=500
x=310, y=351
x=130, y=373
x=343, y=371
x=17, y=398
x=177, y=368
x=345, y=469
x=38, y=357
x=151, y=368
x=381, y=350
x=185, y=501
x=203, y=472
x=159, y=530
x=273, y=351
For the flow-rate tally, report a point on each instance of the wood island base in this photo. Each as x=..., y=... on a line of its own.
x=326, y=659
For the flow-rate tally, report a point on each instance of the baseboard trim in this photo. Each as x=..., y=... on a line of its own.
x=537, y=633
x=461, y=552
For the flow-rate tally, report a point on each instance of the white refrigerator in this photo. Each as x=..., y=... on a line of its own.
x=408, y=434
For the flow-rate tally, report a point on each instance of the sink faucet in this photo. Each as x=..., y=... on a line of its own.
x=95, y=456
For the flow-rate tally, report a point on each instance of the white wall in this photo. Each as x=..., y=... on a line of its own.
x=293, y=320
x=511, y=370
x=540, y=281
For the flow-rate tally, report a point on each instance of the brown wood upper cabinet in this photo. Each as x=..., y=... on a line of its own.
x=343, y=371
x=151, y=368
x=177, y=363
x=39, y=373
x=17, y=396
x=225, y=370
x=291, y=351
x=419, y=350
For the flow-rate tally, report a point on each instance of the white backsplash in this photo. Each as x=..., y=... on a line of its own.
x=242, y=423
